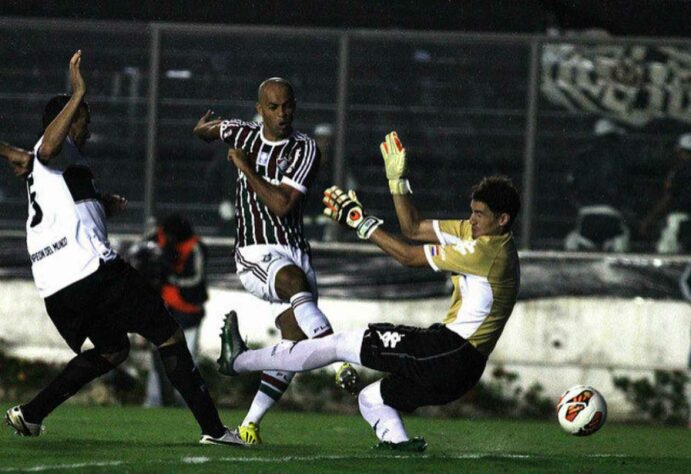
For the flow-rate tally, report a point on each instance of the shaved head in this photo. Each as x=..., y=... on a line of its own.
x=276, y=105
x=274, y=80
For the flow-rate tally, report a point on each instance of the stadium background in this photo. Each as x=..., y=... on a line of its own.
x=469, y=87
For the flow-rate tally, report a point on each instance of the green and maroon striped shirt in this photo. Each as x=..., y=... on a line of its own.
x=293, y=161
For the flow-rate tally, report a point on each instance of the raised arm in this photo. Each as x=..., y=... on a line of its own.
x=346, y=209
x=55, y=133
x=280, y=199
x=413, y=225
x=208, y=128
x=19, y=159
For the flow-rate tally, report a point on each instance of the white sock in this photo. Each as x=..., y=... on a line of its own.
x=271, y=388
x=308, y=315
x=384, y=420
x=303, y=355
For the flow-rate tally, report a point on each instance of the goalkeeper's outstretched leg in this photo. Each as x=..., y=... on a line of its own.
x=313, y=354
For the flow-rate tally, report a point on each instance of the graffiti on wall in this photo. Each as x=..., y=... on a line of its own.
x=631, y=84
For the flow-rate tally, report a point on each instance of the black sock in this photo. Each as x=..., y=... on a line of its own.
x=81, y=370
x=185, y=377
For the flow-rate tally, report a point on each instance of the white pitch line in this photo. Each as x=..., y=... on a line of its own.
x=45, y=467
x=283, y=459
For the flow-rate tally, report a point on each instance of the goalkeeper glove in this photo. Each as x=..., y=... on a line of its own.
x=394, y=161
x=346, y=209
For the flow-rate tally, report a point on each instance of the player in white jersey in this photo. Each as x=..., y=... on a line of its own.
x=426, y=366
x=276, y=166
x=90, y=292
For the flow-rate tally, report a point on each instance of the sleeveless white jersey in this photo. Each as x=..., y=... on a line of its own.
x=66, y=233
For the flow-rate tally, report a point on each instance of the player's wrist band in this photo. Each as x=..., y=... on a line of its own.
x=368, y=225
x=400, y=186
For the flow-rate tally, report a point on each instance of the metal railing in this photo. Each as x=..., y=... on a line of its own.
x=465, y=104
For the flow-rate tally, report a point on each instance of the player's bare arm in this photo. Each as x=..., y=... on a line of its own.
x=413, y=225
x=55, y=133
x=279, y=199
x=208, y=128
x=406, y=254
x=19, y=159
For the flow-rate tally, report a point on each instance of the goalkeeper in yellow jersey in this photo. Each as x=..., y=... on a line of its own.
x=424, y=366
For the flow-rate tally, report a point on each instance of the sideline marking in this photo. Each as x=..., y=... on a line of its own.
x=282, y=459
x=78, y=465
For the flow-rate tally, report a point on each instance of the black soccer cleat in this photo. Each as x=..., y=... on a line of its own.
x=415, y=445
x=232, y=344
x=348, y=379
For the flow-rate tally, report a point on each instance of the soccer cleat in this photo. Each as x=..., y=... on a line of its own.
x=15, y=420
x=416, y=445
x=228, y=438
x=348, y=379
x=232, y=344
x=249, y=433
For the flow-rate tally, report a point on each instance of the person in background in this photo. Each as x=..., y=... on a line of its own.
x=219, y=178
x=184, y=291
x=317, y=225
x=675, y=204
x=324, y=137
x=595, y=181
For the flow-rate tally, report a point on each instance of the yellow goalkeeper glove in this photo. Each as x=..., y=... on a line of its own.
x=394, y=161
x=346, y=209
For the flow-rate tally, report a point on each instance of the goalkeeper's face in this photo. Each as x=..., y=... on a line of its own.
x=485, y=222
x=276, y=106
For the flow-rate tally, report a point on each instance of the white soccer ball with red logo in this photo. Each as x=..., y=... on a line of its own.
x=581, y=410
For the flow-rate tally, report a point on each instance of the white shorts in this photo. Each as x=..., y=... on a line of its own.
x=257, y=266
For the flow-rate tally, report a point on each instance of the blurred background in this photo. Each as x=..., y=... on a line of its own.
x=586, y=105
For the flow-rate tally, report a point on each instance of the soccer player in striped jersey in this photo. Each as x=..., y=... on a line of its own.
x=88, y=290
x=276, y=165
x=425, y=366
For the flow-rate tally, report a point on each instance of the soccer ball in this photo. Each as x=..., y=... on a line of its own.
x=581, y=410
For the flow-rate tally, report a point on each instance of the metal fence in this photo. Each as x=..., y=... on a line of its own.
x=465, y=106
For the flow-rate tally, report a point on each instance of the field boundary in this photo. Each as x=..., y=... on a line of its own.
x=282, y=459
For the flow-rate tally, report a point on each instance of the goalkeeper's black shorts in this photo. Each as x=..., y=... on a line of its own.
x=431, y=366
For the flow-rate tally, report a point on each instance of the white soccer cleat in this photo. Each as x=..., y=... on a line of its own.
x=15, y=420
x=228, y=438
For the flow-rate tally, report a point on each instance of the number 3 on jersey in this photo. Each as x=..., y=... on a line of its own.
x=38, y=213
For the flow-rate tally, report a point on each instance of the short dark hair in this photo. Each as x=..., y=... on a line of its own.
x=500, y=195
x=177, y=227
x=55, y=106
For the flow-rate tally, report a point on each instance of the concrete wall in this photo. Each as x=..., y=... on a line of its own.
x=557, y=342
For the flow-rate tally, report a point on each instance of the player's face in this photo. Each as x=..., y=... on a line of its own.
x=277, y=107
x=79, y=130
x=483, y=221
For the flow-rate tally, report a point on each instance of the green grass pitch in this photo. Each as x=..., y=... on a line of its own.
x=130, y=439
